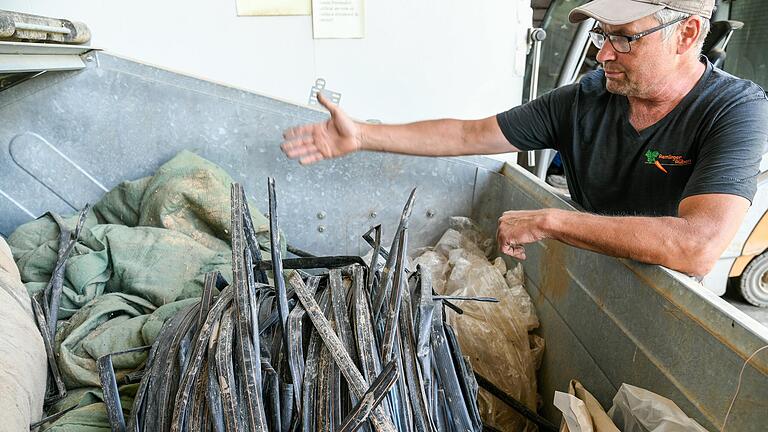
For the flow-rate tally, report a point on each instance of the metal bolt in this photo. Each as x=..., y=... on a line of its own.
x=321, y=228
x=431, y=213
x=373, y=215
x=89, y=58
x=321, y=215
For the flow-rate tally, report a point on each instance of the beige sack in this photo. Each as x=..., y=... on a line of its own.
x=600, y=422
x=23, y=366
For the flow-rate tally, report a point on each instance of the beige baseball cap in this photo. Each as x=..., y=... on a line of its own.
x=618, y=12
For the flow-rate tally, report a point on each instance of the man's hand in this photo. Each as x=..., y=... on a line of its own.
x=335, y=137
x=518, y=228
x=690, y=243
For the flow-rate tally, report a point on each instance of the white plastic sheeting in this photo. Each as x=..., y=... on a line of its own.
x=495, y=336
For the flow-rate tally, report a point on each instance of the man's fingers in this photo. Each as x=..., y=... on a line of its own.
x=299, y=131
x=311, y=158
x=515, y=251
x=298, y=147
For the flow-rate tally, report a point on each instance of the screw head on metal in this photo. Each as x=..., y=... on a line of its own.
x=431, y=213
x=321, y=228
x=321, y=215
x=537, y=34
x=373, y=215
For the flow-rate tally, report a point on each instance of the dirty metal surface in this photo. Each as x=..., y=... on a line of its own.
x=67, y=137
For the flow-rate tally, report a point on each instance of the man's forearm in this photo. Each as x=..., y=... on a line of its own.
x=673, y=242
x=445, y=137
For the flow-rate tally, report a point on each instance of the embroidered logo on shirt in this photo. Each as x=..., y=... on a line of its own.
x=654, y=157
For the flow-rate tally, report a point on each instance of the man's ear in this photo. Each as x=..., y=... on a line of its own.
x=689, y=33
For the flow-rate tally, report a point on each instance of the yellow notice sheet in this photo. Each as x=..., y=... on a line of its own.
x=338, y=19
x=273, y=7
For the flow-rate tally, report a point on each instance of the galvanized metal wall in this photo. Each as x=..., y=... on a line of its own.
x=610, y=321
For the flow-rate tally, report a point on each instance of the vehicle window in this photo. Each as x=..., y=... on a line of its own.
x=747, y=56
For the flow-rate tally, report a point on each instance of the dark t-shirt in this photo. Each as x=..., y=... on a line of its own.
x=711, y=142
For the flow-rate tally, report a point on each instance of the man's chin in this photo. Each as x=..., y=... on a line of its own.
x=615, y=87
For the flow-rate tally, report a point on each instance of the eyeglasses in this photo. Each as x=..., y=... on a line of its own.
x=621, y=43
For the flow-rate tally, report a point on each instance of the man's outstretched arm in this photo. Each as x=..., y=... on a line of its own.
x=690, y=243
x=340, y=135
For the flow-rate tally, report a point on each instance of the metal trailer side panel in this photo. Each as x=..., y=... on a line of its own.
x=608, y=321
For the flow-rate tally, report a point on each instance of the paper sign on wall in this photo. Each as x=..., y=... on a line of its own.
x=338, y=19
x=273, y=7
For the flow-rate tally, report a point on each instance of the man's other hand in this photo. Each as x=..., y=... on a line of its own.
x=335, y=137
x=518, y=228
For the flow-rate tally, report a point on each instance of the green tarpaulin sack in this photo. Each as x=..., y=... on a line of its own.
x=142, y=255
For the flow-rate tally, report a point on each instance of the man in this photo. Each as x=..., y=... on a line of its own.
x=660, y=149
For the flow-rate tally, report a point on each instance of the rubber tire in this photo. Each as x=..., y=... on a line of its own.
x=754, y=281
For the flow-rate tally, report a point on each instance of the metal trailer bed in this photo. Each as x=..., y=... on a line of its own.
x=67, y=136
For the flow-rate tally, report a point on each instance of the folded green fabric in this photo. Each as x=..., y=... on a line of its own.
x=142, y=255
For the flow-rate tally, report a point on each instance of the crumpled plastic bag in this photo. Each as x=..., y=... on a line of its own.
x=493, y=335
x=639, y=410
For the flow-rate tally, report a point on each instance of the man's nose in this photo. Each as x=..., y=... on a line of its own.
x=606, y=53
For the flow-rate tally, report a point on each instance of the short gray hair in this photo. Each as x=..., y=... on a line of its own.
x=666, y=16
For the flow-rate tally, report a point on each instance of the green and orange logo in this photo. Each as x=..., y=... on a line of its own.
x=654, y=157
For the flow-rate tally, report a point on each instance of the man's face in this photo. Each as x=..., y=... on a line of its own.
x=640, y=72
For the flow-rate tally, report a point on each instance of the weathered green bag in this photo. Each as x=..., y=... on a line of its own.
x=143, y=254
